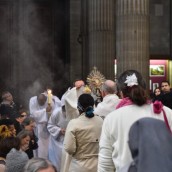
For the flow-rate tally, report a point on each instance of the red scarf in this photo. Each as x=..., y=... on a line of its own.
x=124, y=102
x=157, y=105
x=157, y=108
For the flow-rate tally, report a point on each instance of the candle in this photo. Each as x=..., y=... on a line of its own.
x=49, y=96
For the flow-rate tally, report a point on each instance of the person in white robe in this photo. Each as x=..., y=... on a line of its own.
x=110, y=99
x=56, y=126
x=40, y=110
x=71, y=99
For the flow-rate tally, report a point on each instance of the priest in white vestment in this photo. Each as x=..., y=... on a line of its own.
x=56, y=126
x=110, y=99
x=41, y=108
x=71, y=99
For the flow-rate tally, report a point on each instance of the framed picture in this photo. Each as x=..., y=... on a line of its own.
x=157, y=70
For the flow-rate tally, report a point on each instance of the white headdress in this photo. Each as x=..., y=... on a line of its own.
x=131, y=80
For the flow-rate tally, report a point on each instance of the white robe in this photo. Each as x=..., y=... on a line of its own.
x=71, y=99
x=55, y=123
x=41, y=118
x=108, y=105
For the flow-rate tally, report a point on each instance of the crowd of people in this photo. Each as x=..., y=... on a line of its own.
x=125, y=132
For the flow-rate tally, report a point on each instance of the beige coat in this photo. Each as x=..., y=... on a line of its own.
x=82, y=142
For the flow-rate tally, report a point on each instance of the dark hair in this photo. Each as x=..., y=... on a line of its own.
x=5, y=111
x=136, y=93
x=165, y=81
x=157, y=88
x=27, y=121
x=41, y=95
x=85, y=104
x=6, y=122
x=22, y=110
x=7, y=144
x=78, y=79
x=23, y=134
x=41, y=98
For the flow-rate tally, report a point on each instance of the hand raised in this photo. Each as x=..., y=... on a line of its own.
x=49, y=108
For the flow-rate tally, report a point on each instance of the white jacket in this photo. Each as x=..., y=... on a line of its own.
x=108, y=105
x=114, y=150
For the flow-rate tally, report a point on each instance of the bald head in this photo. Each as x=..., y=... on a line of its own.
x=109, y=87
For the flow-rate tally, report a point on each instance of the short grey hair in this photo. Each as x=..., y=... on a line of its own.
x=36, y=164
x=109, y=86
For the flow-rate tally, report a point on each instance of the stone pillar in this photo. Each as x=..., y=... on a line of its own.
x=132, y=38
x=98, y=17
x=75, y=46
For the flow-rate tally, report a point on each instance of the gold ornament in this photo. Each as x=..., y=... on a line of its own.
x=87, y=89
x=95, y=80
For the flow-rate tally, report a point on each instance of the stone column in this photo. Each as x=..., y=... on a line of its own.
x=99, y=35
x=75, y=47
x=132, y=40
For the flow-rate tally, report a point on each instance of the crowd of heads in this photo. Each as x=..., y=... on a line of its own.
x=130, y=84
